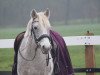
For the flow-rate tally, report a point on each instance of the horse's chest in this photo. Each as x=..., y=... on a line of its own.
x=37, y=63
x=36, y=67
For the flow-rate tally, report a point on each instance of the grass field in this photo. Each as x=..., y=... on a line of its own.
x=76, y=52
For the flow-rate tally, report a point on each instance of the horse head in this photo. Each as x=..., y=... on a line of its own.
x=38, y=27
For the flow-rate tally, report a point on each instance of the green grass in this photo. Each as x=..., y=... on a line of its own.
x=74, y=30
x=6, y=59
x=64, y=30
x=7, y=33
x=76, y=52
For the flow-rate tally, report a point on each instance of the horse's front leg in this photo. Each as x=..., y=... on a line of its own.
x=22, y=72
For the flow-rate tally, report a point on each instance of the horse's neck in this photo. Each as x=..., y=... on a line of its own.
x=28, y=46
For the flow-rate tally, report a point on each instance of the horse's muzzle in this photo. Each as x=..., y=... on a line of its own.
x=46, y=50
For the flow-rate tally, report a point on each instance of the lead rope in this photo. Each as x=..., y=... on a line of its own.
x=47, y=59
x=29, y=59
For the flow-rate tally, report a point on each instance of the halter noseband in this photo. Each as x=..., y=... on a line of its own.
x=41, y=37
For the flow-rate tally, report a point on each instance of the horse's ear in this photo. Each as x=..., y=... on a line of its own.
x=47, y=13
x=33, y=14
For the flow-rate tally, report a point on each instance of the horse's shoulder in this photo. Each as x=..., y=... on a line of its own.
x=18, y=40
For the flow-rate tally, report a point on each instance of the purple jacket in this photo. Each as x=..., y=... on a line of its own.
x=62, y=65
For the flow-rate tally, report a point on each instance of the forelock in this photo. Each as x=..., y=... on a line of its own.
x=43, y=19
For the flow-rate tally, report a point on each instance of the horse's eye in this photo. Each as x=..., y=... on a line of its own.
x=35, y=28
x=32, y=22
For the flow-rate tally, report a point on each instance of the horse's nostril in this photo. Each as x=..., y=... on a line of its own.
x=46, y=47
x=43, y=47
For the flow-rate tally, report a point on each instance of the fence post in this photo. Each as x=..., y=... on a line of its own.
x=89, y=55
